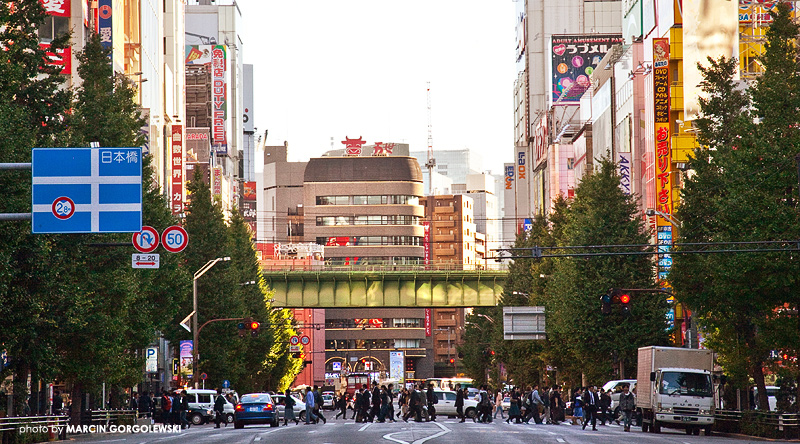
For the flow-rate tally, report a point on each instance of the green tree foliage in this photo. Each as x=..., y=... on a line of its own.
x=32, y=112
x=105, y=111
x=601, y=214
x=227, y=291
x=744, y=188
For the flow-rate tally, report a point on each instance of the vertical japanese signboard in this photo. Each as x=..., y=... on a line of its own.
x=426, y=241
x=663, y=158
x=428, y=330
x=218, y=99
x=104, y=23
x=216, y=180
x=248, y=206
x=574, y=59
x=177, y=169
x=214, y=57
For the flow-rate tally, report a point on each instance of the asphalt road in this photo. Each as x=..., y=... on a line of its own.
x=442, y=431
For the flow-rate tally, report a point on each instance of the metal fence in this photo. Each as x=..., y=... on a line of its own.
x=12, y=429
x=758, y=423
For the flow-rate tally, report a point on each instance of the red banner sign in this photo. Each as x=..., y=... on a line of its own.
x=59, y=8
x=177, y=169
x=428, y=323
x=60, y=57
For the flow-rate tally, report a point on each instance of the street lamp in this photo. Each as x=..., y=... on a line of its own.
x=195, y=331
x=675, y=223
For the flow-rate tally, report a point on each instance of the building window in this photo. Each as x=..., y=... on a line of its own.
x=324, y=221
x=53, y=27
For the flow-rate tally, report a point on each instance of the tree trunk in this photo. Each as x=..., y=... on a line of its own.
x=21, y=372
x=758, y=377
x=77, y=404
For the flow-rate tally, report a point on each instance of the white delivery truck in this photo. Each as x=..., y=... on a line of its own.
x=674, y=389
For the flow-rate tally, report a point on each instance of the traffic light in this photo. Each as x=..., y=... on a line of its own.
x=254, y=328
x=296, y=355
x=625, y=301
x=452, y=361
x=242, y=329
x=606, y=300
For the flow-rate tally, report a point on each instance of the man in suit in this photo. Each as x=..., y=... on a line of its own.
x=459, y=402
x=591, y=403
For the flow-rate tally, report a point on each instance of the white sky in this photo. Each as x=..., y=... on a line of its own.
x=336, y=68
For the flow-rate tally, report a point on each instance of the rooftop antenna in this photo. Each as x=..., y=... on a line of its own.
x=431, y=161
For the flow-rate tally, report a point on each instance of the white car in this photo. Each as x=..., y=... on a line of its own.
x=447, y=404
x=772, y=392
x=204, y=399
x=327, y=402
x=299, y=407
x=615, y=388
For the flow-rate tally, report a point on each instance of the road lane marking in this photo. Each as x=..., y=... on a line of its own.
x=560, y=440
x=365, y=427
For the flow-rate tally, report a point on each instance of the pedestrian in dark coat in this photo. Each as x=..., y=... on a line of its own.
x=432, y=399
x=219, y=409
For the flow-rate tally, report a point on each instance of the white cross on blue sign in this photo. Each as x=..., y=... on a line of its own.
x=87, y=190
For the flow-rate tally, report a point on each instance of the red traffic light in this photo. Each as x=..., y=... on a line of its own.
x=625, y=298
x=254, y=325
x=785, y=356
x=452, y=361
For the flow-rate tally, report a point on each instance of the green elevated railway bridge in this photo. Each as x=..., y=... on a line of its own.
x=384, y=286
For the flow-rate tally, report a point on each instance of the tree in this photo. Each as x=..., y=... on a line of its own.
x=744, y=189
x=601, y=214
x=118, y=308
x=33, y=107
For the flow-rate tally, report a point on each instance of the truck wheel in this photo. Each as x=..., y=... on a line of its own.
x=656, y=426
x=707, y=431
x=470, y=413
x=197, y=419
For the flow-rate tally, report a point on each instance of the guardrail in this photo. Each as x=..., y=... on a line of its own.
x=758, y=423
x=42, y=428
x=49, y=427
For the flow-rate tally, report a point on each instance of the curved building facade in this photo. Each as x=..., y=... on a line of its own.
x=365, y=209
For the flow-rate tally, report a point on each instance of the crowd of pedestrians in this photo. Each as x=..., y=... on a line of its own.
x=418, y=403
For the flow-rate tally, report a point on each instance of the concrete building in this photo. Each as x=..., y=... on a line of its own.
x=363, y=340
x=364, y=209
x=547, y=97
x=281, y=220
x=453, y=164
x=455, y=244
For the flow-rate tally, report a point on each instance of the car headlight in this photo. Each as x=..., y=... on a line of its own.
x=210, y=412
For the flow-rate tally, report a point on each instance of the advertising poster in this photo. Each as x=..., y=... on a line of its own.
x=574, y=58
x=186, y=348
x=215, y=56
x=397, y=365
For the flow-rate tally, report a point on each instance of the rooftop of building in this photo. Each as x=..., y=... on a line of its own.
x=363, y=169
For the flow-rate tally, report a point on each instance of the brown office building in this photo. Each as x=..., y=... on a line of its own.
x=366, y=211
x=454, y=245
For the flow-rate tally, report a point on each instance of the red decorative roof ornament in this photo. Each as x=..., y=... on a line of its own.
x=352, y=146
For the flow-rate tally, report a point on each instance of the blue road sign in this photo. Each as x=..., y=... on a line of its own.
x=87, y=190
x=226, y=384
